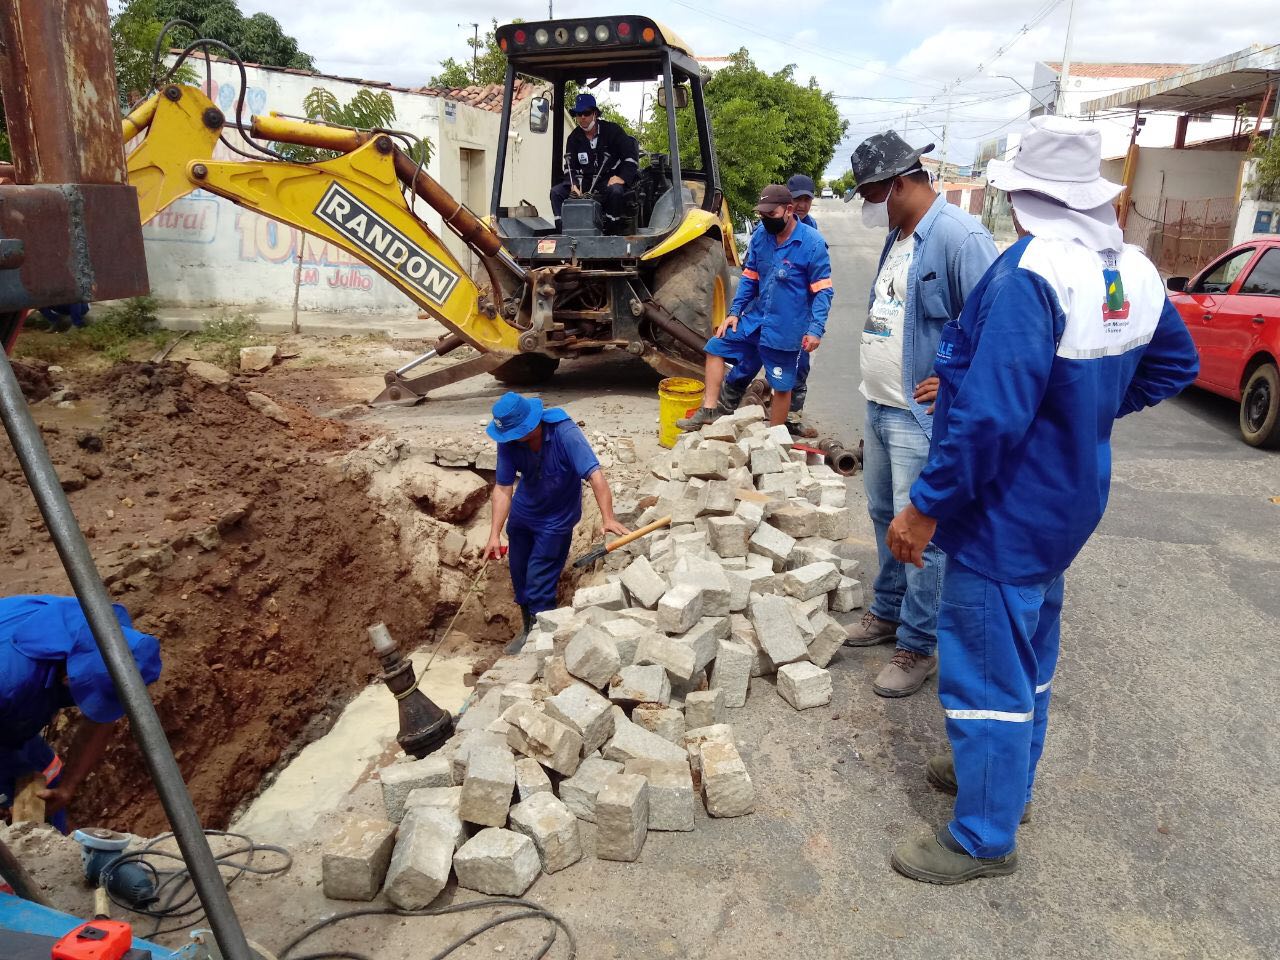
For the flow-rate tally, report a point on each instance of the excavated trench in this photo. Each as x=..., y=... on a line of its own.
x=257, y=542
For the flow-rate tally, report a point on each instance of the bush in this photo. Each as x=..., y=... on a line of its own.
x=114, y=332
x=224, y=335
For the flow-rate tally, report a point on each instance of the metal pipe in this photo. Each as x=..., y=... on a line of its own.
x=446, y=344
x=842, y=460
x=132, y=691
x=14, y=874
x=675, y=328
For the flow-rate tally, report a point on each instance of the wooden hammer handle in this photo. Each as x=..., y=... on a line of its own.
x=647, y=529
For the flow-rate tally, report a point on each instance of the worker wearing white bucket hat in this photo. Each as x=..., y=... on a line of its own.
x=1069, y=329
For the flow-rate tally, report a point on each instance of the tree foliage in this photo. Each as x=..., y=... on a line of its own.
x=766, y=127
x=490, y=64
x=257, y=39
x=134, y=32
x=846, y=181
x=367, y=110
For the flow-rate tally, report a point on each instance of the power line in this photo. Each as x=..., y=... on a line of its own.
x=806, y=48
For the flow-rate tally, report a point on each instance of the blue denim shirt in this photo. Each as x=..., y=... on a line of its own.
x=953, y=251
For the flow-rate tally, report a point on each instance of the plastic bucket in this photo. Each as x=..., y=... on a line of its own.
x=678, y=397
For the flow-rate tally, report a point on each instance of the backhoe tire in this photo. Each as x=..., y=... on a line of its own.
x=527, y=370
x=695, y=285
x=1260, y=407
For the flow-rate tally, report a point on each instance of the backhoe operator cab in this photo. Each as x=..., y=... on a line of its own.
x=659, y=278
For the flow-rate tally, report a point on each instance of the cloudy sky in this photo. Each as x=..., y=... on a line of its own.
x=882, y=58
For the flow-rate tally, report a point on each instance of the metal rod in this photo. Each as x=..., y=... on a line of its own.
x=14, y=874
x=504, y=131
x=444, y=345
x=145, y=723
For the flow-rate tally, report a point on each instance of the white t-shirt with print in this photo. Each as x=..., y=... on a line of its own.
x=881, y=351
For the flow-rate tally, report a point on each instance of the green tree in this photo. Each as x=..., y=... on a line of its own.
x=766, y=127
x=134, y=32
x=366, y=110
x=257, y=39
x=489, y=65
x=846, y=181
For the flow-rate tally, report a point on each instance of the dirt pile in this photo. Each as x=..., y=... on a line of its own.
x=224, y=533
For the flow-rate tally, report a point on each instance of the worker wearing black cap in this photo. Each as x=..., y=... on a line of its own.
x=779, y=312
x=934, y=255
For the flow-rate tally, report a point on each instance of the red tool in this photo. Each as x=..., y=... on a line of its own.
x=95, y=940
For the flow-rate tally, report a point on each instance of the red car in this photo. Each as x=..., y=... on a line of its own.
x=1232, y=308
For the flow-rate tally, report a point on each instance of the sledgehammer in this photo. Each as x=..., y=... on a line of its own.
x=589, y=558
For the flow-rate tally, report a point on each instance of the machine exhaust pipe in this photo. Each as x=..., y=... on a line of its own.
x=424, y=727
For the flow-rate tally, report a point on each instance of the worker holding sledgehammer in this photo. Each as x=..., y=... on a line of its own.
x=552, y=457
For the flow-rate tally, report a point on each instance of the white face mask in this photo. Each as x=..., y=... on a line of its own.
x=875, y=216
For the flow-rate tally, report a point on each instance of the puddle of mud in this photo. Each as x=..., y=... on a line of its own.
x=362, y=741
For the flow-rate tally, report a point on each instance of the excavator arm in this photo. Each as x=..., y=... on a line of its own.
x=355, y=201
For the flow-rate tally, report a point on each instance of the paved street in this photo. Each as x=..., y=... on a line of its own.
x=1158, y=814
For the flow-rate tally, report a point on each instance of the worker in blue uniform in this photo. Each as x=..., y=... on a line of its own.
x=48, y=661
x=803, y=190
x=780, y=311
x=551, y=456
x=1069, y=329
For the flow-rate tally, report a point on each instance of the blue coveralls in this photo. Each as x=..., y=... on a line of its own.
x=42, y=640
x=546, y=507
x=801, y=389
x=785, y=293
x=1033, y=374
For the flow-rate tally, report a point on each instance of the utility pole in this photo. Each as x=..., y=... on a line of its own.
x=942, y=167
x=551, y=9
x=1064, y=75
x=475, y=51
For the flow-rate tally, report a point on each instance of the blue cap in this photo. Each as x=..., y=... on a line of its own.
x=801, y=186
x=583, y=103
x=513, y=417
x=55, y=628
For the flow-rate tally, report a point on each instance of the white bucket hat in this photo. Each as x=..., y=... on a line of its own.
x=1061, y=159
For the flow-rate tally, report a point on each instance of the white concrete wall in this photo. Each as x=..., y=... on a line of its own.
x=1181, y=174
x=204, y=251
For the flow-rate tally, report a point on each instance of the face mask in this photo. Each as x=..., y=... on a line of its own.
x=775, y=225
x=876, y=215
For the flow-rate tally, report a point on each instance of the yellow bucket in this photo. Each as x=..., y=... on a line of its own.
x=678, y=397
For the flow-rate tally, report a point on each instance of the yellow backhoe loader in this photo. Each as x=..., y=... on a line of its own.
x=654, y=288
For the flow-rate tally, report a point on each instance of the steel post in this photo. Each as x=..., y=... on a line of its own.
x=147, y=731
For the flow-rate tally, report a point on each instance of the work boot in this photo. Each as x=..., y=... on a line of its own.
x=699, y=420
x=940, y=771
x=798, y=428
x=870, y=631
x=904, y=674
x=730, y=396
x=937, y=858
x=517, y=643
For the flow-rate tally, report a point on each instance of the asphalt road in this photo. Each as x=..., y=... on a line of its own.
x=1157, y=819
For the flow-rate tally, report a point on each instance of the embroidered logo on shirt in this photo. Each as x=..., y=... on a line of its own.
x=777, y=371
x=1116, y=307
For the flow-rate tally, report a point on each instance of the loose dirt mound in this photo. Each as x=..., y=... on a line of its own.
x=223, y=533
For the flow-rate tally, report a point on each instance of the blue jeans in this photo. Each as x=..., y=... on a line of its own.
x=997, y=649
x=895, y=450
x=536, y=560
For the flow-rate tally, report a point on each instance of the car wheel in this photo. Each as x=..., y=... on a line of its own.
x=1260, y=407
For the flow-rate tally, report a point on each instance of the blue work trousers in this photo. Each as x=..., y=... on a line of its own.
x=894, y=452
x=997, y=650
x=536, y=560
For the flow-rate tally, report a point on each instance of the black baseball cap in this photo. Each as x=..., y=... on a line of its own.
x=771, y=196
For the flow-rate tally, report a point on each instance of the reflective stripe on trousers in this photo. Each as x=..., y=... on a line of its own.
x=997, y=650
